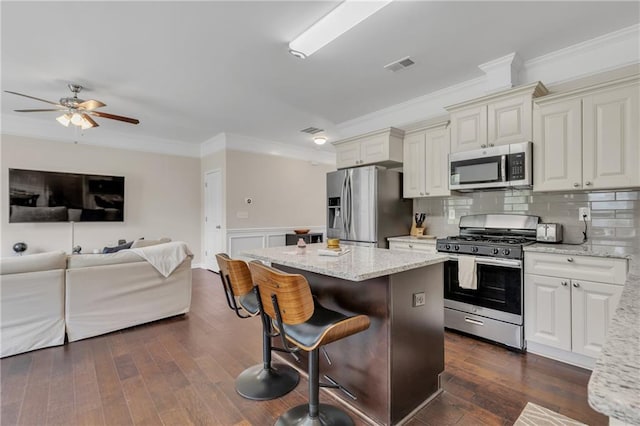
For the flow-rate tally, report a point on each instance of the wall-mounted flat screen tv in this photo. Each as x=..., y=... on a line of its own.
x=40, y=196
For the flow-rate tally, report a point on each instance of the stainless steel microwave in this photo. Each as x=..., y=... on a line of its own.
x=497, y=167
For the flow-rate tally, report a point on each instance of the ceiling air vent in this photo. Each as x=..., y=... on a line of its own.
x=400, y=64
x=311, y=130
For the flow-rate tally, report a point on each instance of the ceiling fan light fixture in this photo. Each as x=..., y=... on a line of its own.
x=64, y=119
x=76, y=119
x=345, y=16
x=86, y=124
x=320, y=140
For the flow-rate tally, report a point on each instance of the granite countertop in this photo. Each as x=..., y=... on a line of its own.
x=361, y=263
x=586, y=249
x=614, y=386
x=411, y=239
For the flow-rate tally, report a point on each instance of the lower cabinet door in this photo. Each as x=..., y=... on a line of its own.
x=593, y=305
x=548, y=311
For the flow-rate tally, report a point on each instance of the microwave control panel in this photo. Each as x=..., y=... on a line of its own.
x=517, y=166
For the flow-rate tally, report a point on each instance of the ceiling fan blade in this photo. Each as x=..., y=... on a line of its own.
x=90, y=120
x=114, y=117
x=91, y=104
x=33, y=97
x=38, y=110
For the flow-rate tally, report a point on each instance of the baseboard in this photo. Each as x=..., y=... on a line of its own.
x=578, y=360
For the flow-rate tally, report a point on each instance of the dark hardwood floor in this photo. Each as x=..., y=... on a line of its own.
x=181, y=370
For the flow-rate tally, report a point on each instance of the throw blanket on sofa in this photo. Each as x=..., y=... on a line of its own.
x=164, y=257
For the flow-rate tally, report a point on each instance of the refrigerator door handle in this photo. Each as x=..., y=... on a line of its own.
x=350, y=206
x=343, y=204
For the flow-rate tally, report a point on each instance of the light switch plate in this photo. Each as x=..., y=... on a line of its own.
x=418, y=299
x=452, y=214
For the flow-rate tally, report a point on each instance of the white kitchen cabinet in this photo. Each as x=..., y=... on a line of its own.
x=383, y=147
x=565, y=311
x=497, y=119
x=413, y=246
x=588, y=139
x=425, y=165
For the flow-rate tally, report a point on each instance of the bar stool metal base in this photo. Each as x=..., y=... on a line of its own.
x=328, y=416
x=261, y=384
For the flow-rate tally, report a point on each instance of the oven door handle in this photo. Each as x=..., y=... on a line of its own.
x=509, y=263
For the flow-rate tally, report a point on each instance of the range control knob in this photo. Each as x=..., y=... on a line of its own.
x=474, y=249
x=448, y=247
x=456, y=247
x=506, y=251
x=494, y=251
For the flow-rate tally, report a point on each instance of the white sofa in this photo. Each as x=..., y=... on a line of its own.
x=32, y=302
x=108, y=292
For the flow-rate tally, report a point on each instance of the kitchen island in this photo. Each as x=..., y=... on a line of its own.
x=393, y=368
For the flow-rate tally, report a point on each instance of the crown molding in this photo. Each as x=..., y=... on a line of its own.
x=215, y=144
x=34, y=128
x=598, y=55
x=264, y=146
x=502, y=73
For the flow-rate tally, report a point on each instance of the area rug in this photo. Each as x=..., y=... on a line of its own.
x=535, y=415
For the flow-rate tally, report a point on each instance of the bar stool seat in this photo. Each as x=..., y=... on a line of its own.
x=262, y=381
x=305, y=323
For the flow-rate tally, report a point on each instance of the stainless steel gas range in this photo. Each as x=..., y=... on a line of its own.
x=494, y=310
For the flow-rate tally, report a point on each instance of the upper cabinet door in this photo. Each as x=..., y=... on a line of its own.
x=611, y=152
x=557, y=151
x=509, y=121
x=437, y=164
x=469, y=129
x=347, y=154
x=414, y=165
x=374, y=149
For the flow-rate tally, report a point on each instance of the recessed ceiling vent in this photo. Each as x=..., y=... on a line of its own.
x=311, y=130
x=400, y=64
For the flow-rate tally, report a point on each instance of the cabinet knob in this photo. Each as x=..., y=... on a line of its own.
x=564, y=283
x=575, y=185
x=569, y=259
x=576, y=285
x=490, y=144
x=483, y=146
x=426, y=193
x=410, y=245
x=422, y=193
x=587, y=183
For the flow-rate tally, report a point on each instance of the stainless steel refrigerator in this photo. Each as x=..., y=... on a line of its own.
x=365, y=206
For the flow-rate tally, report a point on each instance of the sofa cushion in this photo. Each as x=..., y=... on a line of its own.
x=117, y=248
x=146, y=243
x=33, y=262
x=86, y=260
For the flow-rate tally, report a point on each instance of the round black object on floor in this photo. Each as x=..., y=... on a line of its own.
x=328, y=416
x=261, y=384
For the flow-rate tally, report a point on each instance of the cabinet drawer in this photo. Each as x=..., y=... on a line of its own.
x=415, y=247
x=601, y=269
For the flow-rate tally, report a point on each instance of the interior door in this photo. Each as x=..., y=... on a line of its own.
x=213, y=226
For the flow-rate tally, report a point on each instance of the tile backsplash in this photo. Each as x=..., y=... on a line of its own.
x=615, y=216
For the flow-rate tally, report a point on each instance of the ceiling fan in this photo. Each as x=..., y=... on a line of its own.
x=76, y=111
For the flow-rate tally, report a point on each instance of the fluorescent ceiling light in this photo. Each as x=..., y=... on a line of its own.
x=347, y=15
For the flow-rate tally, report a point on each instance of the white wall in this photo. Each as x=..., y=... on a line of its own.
x=285, y=192
x=162, y=195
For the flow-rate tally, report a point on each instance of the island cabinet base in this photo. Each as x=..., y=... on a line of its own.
x=393, y=367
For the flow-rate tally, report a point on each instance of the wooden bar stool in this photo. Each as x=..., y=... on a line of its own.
x=262, y=381
x=302, y=321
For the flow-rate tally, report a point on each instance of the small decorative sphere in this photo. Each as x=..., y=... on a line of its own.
x=20, y=247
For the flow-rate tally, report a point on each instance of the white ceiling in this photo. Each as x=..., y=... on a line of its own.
x=191, y=70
